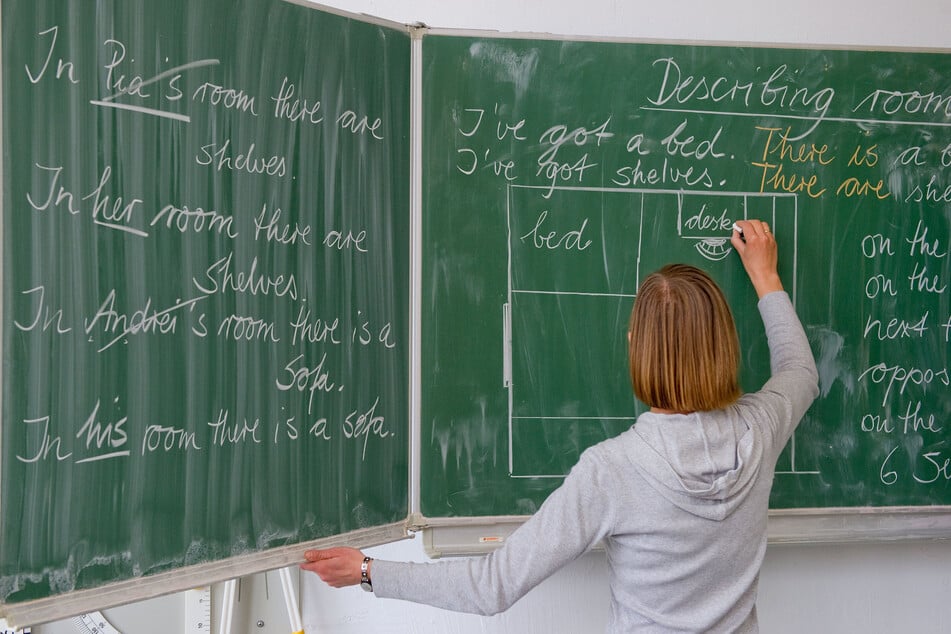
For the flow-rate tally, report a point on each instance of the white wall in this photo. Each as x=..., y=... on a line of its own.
x=876, y=23
x=866, y=588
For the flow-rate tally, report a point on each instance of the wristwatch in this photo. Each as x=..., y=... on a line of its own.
x=365, y=582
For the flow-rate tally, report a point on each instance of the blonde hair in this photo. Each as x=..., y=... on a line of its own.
x=684, y=354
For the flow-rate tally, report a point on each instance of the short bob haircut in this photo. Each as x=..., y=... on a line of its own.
x=683, y=350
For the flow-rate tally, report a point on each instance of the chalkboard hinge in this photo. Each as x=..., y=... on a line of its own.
x=416, y=523
x=417, y=30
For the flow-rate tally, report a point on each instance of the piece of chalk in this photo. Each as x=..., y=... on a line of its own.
x=737, y=228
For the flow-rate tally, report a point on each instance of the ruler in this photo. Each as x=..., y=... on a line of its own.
x=197, y=616
x=94, y=623
x=198, y=610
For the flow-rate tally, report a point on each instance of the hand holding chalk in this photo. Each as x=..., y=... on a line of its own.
x=756, y=246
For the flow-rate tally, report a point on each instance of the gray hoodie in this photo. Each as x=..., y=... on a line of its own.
x=679, y=502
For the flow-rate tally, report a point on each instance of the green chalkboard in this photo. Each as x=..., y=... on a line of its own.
x=557, y=174
x=205, y=284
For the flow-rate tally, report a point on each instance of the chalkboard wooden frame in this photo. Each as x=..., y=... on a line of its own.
x=453, y=537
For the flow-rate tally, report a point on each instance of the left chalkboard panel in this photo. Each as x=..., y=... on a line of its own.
x=205, y=265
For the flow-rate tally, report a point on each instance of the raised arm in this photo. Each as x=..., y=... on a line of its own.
x=756, y=246
x=794, y=377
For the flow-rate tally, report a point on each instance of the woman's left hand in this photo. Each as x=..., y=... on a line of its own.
x=337, y=567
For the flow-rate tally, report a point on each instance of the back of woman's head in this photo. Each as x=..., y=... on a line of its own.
x=683, y=352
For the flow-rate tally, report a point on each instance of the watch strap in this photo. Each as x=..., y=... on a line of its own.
x=365, y=582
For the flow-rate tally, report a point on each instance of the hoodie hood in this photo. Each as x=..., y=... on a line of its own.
x=703, y=463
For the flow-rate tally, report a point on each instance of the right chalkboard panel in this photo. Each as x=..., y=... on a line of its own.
x=557, y=174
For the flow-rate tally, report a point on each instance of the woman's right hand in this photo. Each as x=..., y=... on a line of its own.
x=757, y=249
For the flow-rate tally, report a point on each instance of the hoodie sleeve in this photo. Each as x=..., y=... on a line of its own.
x=571, y=521
x=794, y=381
